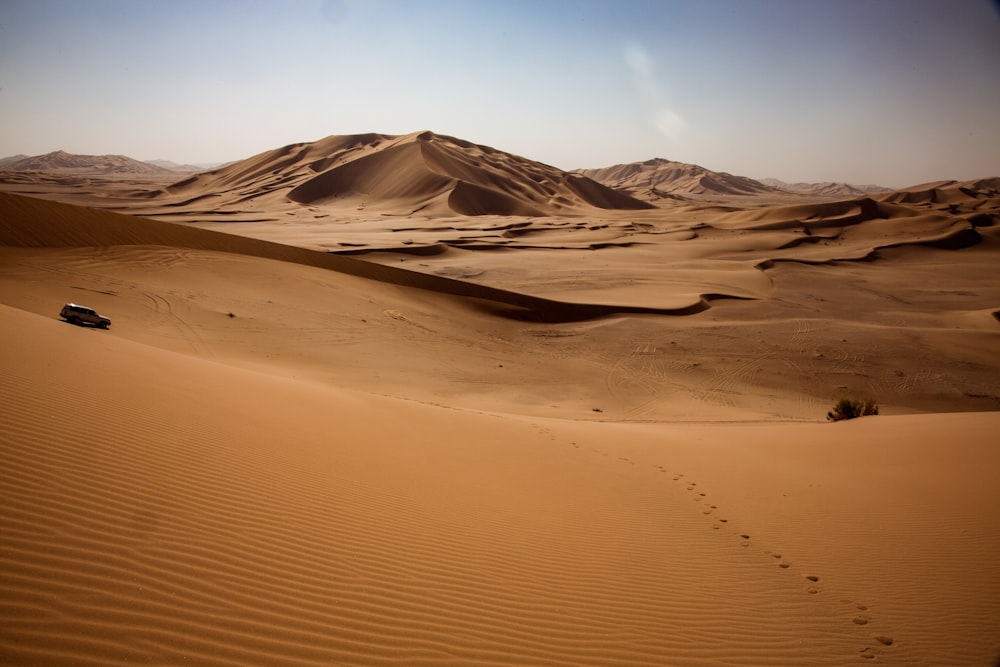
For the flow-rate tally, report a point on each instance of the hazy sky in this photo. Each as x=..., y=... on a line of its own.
x=894, y=92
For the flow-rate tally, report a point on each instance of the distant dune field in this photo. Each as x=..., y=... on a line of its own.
x=410, y=400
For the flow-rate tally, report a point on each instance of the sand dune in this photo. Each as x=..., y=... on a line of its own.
x=593, y=439
x=176, y=509
x=421, y=173
x=947, y=193
x=749, y=271
x=33, y=223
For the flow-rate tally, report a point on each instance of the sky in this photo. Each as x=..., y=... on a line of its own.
x=890, y=92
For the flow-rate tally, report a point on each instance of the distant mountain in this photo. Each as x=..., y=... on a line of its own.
x=826, y=189
x=61, y=162
x=188, y=168
x=6, y=161
x=658, y=179
x=400, y=175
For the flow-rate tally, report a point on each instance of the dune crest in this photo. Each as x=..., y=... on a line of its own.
x=32, y=222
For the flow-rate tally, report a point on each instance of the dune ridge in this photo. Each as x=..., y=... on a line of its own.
x=33, y=223
x=946, y=192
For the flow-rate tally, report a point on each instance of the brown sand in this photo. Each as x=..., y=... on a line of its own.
x=602, y=443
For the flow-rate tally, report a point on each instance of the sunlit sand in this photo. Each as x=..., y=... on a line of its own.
x=410, y=400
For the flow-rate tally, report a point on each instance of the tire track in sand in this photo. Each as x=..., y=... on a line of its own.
x=164, y=310
x=731, y=380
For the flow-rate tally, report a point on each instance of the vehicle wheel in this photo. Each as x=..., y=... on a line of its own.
x=73, y=320
x=102, y=325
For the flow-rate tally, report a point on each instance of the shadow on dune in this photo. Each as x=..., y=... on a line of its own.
x=36, y=223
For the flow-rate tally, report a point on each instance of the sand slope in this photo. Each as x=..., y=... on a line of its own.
x=279, y=455
x=756, y=326
x=176, y=509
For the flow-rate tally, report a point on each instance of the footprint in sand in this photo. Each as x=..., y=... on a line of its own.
x=868, y=653
x=865, y=619
x=783, y=565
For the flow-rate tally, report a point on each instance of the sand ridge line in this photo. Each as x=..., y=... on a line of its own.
x=103, y=228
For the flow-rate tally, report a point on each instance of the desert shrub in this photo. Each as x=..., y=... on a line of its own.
x=848, y=408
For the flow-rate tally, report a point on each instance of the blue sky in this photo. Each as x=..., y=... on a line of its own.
x=894, y=92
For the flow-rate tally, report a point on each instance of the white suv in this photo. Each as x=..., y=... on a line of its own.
x=75, y=314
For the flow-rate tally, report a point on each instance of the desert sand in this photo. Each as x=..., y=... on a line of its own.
x=409, y=400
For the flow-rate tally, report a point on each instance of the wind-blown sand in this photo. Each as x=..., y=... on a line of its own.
x=602, y=443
